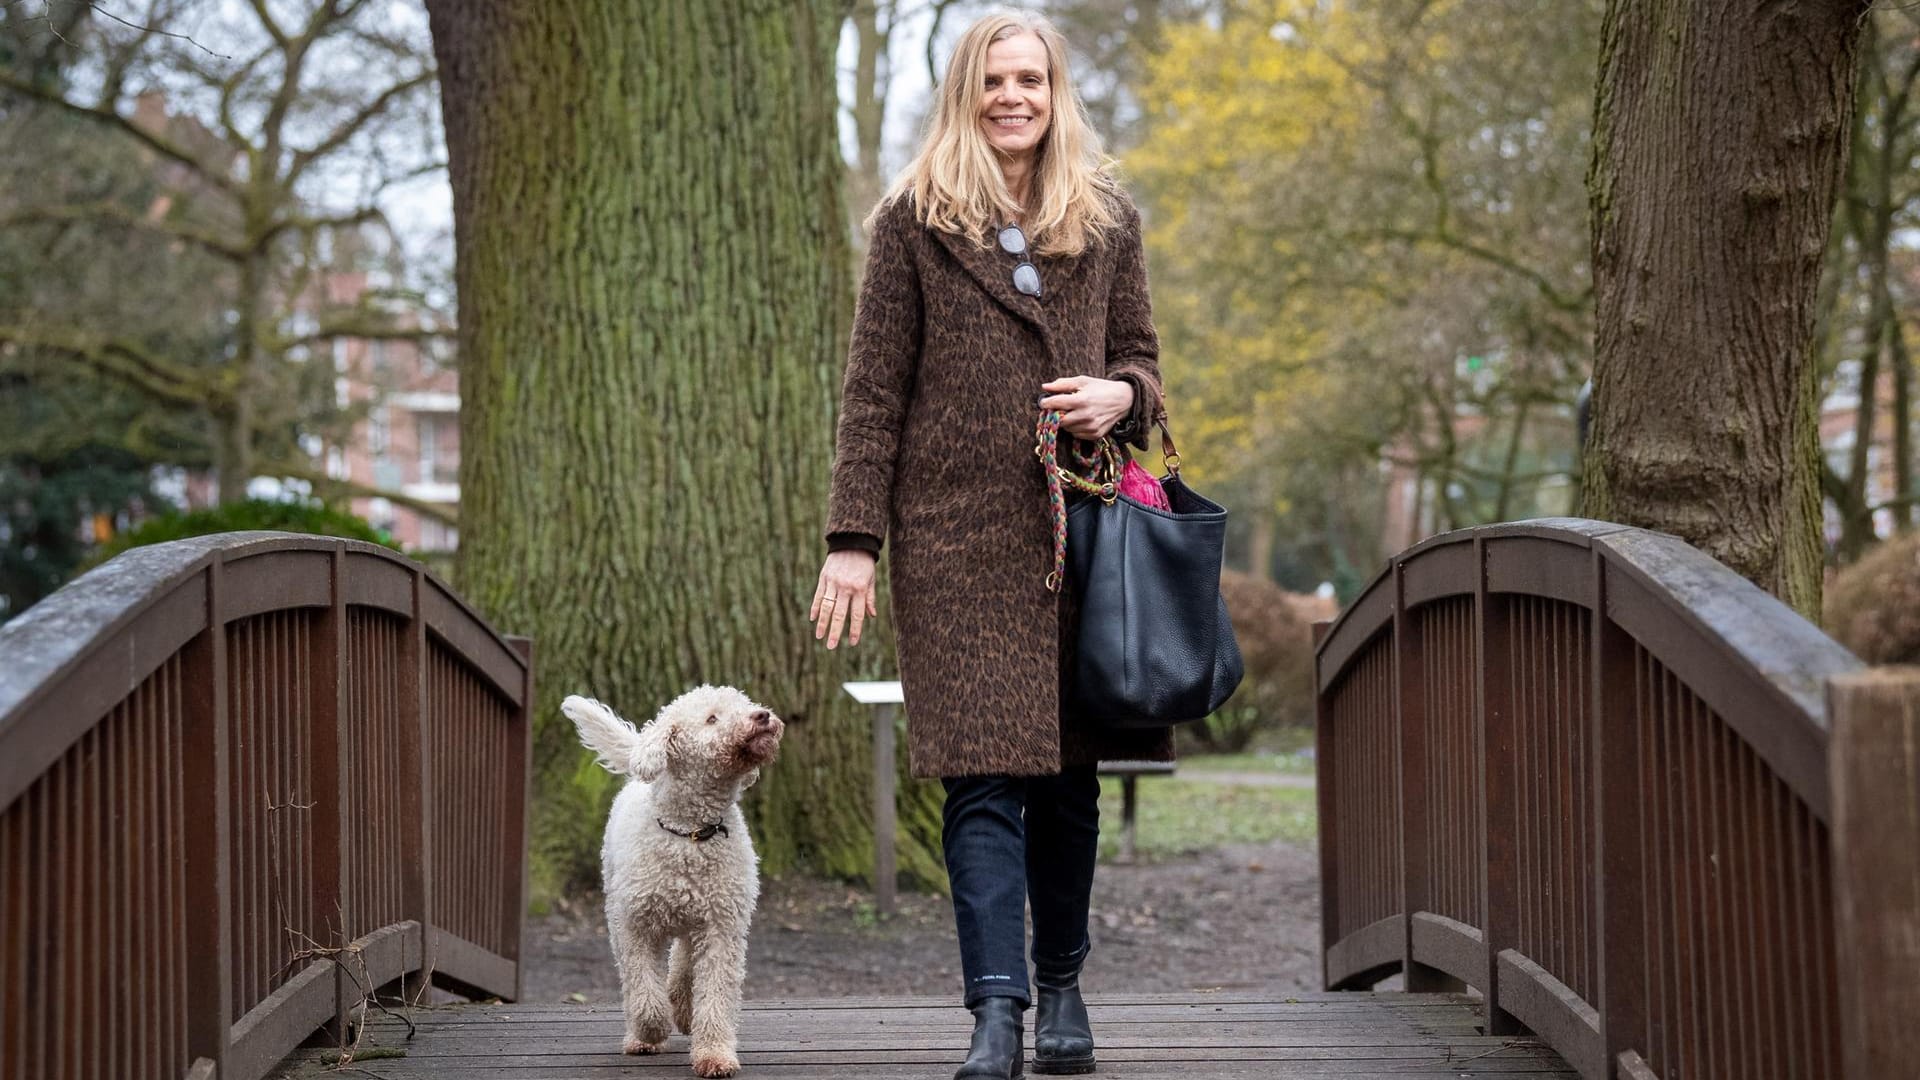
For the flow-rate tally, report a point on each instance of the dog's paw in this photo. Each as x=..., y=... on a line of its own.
x=715, y=1063
x=641, y=1046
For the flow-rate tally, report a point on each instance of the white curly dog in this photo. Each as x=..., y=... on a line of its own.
x=677, y=864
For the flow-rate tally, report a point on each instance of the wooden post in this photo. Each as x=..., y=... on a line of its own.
x=518, y=886
x=1409, y=669
x=416, y=793
x=1621, y=902
x=884, y=868
x=1494, y=755
x=1323, y=806
x=209, y=933
x=1874, y=765
x=333, y=864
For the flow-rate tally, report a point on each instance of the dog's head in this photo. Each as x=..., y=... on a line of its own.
x=709, y=733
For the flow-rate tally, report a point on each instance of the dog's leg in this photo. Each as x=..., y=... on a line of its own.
x=719, y=974
x=680, y=983
x=643, y=989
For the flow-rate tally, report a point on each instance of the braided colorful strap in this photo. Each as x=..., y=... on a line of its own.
x=1103, y=460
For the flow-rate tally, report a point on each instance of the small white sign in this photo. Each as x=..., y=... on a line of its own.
x=875, y=693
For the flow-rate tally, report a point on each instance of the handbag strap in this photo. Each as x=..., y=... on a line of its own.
x=1103, y=459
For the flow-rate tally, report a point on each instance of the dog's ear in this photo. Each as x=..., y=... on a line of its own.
x=751, y=778
x=651, y=751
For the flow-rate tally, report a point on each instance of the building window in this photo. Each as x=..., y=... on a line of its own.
x=429, y=447
x=379, y=431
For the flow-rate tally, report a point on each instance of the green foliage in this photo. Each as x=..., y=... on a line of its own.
x=244, y=516
x=1179, y=816
x=1292, y=755
x=1369, y=240
x=46, y=507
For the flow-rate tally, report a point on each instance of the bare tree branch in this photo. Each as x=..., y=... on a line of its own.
x=300, y=223
x=119, y=359
x=268, y=24
x=369, y=331
x=320, y=480
x=112, y=214
x=159, y=144
x=339, y=136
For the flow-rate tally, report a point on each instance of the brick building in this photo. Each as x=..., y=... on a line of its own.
x=408, y=441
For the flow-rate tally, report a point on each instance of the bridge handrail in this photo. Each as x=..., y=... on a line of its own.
x=245, y=779
x=1584, y=769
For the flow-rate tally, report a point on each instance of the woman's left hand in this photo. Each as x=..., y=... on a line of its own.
x=1089, y=407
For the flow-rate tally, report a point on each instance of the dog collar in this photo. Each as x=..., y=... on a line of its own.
x=704, y=832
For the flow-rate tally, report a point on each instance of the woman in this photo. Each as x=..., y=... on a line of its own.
x=1004, y=277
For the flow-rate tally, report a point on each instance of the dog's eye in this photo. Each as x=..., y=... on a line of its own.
x=711, y=719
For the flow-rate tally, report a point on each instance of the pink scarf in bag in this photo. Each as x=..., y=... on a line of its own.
x=1139, y=485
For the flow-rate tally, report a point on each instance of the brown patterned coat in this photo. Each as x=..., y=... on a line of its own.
x=935, y=453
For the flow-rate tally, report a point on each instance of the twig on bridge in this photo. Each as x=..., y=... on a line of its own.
x=1451, y=1060
x=303, y=948
x=362, y=981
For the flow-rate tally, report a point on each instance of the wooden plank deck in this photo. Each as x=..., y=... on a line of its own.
x=1143, y=1037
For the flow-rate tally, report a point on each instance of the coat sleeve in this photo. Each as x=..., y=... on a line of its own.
x=881, y=363
x=1133, y=349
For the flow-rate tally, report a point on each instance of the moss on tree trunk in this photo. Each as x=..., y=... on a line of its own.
x=654, y=299
x=1720, y=136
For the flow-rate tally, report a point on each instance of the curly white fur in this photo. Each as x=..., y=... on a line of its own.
x=687, y=769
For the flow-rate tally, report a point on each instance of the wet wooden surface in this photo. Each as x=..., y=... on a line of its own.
x=1145, y=1037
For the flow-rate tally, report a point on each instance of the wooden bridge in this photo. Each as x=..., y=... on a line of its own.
x=1659, y=826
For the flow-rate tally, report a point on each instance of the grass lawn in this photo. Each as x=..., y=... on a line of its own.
x=1179, y=816
x=1296, y=763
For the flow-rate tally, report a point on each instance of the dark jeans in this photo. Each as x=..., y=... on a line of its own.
x=1010, y=842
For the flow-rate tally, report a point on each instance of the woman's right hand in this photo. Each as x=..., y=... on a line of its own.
x=846, y=585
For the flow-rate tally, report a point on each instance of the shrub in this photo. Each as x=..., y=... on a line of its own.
x=1275, y=631
x=240, y=517
x=1873, y=606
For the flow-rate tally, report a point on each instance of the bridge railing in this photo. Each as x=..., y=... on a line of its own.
x=243, y=780
x=1584, y=769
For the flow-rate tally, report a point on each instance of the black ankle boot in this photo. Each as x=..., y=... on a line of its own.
x=1062, y=1038
x=997, y=1033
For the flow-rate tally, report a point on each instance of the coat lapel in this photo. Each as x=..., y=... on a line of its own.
x=993, y=269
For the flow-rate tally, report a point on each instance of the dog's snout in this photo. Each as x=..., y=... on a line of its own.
x=761, y=718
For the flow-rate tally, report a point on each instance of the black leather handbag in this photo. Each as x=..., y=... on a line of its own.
x=1156, y=647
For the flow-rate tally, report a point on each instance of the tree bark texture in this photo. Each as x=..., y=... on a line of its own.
x=1720, y=136
x=654, y=298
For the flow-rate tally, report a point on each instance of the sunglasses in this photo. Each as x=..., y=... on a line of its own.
x=1026, y=279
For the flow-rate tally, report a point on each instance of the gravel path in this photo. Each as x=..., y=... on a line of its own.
x=1243, y=917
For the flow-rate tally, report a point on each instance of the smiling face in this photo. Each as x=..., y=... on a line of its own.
x=1016, y=98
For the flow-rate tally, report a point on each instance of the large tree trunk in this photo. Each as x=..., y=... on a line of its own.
x=654, y=295
x=1720, y=135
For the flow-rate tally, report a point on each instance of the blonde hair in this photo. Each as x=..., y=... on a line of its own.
x=955, y=179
